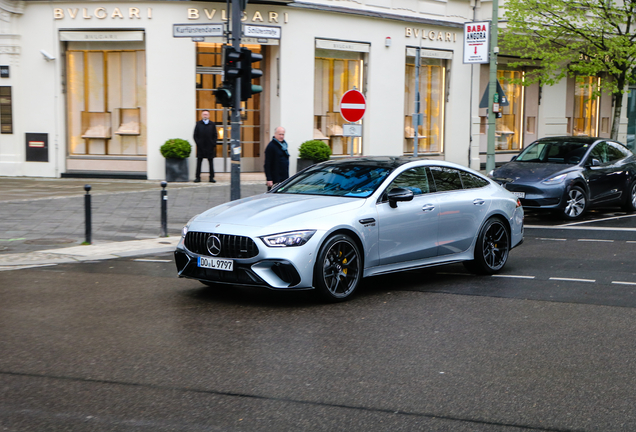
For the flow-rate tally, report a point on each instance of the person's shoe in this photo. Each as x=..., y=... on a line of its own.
x=212, y=180
x=197, y=180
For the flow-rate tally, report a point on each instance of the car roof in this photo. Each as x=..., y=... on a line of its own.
x=390, y=162
x=581, y=139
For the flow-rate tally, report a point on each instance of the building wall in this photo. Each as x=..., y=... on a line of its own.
x=39, y=94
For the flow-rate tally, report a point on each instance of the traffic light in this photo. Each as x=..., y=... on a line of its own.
x=231, y=63
x=248, y=74
x=231, y=71
x=224, y=94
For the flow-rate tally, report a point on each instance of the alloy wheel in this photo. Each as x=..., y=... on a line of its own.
x=341, y=269
x=496, y=246
x=576, y=203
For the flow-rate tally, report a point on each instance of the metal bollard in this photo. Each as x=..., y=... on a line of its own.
x=87, y=213
x=164, y=210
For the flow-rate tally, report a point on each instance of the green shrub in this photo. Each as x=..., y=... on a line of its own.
x=315, y=150
x=176, y=149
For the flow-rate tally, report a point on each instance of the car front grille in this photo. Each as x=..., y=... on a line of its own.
x=232, y=246
x=523, y=188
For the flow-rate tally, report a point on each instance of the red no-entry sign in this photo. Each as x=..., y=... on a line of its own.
x=352, y=106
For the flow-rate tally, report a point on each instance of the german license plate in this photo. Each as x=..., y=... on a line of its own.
x=519, y=194
x=216, y=263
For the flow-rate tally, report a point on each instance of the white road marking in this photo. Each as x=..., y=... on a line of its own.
x=623, y=283
x=598, y=220
x=513, y=276
x=152, y=260
x=565, y=227
x=552, y=239
x=595, y=240
x=573, y=280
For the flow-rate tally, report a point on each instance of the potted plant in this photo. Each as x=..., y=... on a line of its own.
x=311, y=152
x=176, y=152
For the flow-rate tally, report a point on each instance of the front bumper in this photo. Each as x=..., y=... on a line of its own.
x=274, y=268
x=548, y=197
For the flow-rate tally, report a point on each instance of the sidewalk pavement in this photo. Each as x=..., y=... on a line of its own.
x=42, y=220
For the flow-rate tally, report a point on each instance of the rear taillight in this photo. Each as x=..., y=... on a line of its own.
x=518, y=203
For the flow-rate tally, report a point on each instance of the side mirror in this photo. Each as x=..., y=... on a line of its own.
x=513, y=158
x=594, y=162
x=399, y=194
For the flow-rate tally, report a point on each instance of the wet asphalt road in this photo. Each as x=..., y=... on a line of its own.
x=124, y=345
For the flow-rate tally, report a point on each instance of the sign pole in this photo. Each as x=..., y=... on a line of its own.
x=235, y=119
x=492, y=88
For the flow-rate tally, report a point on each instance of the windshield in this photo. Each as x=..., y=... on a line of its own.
x=558, y=152
x=337, y=180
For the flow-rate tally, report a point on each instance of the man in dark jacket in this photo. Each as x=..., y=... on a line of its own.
x=276, y=159
x=205, y=137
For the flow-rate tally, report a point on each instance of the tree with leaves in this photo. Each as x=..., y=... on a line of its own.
x=576, y=38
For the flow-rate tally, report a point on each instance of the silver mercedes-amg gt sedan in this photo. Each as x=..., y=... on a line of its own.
x=336, y=222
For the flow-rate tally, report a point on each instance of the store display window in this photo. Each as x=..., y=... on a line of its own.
x=106, y=102
x=584, y=121
x=336, y=72
x=432, y=79
x=509, y=133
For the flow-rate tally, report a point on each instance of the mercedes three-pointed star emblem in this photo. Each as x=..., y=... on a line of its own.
x=214, y=245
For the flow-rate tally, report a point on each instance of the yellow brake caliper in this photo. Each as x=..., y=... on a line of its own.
x=344, y=261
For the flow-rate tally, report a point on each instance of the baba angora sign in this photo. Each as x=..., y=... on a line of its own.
x=476, y=42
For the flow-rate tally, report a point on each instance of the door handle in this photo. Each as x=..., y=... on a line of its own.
x=479, y=201
x=428, y=207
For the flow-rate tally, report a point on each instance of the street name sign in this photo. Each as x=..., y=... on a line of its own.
x=261, y=31
x=197, y=30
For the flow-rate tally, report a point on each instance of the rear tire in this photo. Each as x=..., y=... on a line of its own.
x=338, y=269
x=630, y=201
x=576, y=203
x=491, y=249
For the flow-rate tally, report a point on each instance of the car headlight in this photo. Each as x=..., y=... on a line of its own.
x=555, y=180
x=294, y=238
x=184, y=230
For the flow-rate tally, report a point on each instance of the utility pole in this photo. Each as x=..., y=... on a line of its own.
x=235, y=118
x=493, y=97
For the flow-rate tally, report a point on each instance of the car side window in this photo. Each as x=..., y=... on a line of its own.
x=414, y=179
x=616, y=152
x=599, y=152
x=471, y=181
x=446, y=179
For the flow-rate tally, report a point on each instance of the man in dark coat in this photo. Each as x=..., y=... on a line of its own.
x=205, y=137
x=276, y=159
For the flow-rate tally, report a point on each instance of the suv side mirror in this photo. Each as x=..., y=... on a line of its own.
x=594, y=162
x=399, y=194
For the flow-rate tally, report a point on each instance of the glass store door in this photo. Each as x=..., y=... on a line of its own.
x=210, y=77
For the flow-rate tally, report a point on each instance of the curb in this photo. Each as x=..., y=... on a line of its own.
x=75, y=254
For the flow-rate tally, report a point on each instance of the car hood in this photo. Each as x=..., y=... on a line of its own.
x=528, y=172
x=285, y=210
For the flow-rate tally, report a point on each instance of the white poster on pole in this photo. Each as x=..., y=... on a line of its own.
x=476, y=42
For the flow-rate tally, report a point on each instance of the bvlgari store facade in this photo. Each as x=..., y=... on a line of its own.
x=112, y=81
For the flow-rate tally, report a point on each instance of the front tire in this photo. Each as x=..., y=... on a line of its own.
x=338, y=268
x=491, y=249
x=576, y=203
x=630, y=201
